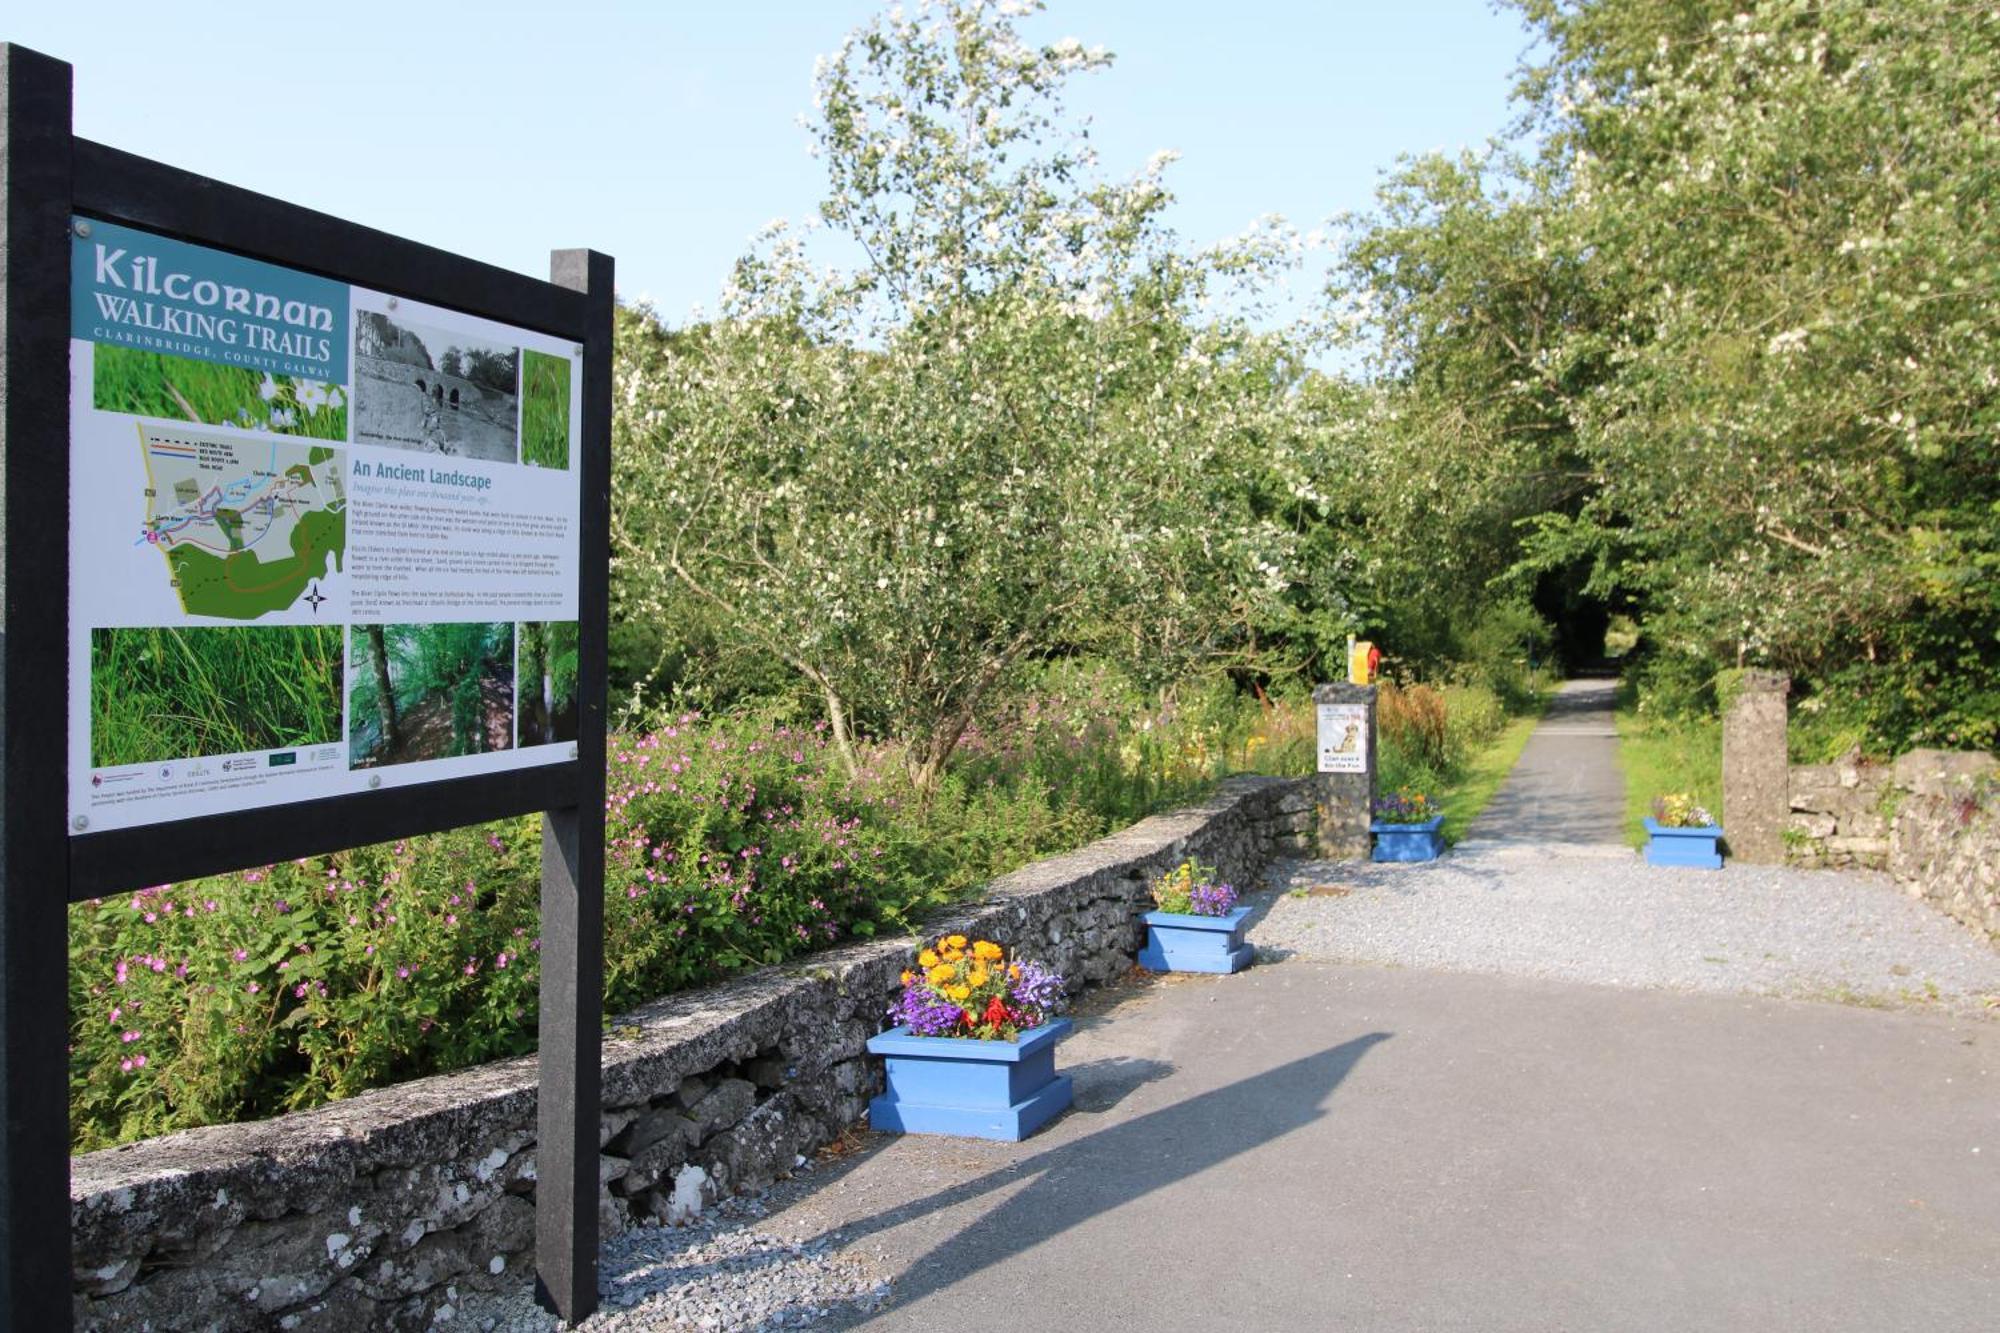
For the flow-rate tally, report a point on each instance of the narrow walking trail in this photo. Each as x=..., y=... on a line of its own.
x=1567, y=789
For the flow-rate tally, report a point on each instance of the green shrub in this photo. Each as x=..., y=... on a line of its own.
x=1474, y=715
x=1503, y=649
x=1411, y=721
x=729, y=845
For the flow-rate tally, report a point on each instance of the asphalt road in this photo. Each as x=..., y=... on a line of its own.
x=1314, y=1146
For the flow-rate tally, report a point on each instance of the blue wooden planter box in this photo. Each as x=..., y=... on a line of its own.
x=1183, y=942
x=973, y=1089
x=1409, y=842
x=1683, y=846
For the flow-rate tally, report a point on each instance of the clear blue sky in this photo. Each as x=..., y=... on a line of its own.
x=666, y=133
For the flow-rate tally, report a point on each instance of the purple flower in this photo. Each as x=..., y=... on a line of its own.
x=924, y=1012
x=1038, y=989
x=1212, y=899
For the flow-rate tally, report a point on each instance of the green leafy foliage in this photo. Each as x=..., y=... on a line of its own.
x=1706, y=343
x=1009, y=433
x=731, y=845
x=449, y=691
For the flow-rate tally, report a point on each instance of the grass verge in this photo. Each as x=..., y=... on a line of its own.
x=1661, y=755
x=1475, y=787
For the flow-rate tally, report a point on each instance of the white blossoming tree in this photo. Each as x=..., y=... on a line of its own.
x=999, y=429
x=1718, y=331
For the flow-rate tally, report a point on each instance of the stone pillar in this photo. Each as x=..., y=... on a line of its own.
x=1345, y=785
x=1756, y=803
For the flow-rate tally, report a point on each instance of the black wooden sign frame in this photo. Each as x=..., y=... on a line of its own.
x=47, y=176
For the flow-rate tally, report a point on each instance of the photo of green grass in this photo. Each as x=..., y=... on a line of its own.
x=148, y=384
x=429, y=692
x=159, y=694
x=544, y=410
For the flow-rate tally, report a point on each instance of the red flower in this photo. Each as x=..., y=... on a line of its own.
x=969, y=1018
x=996, y=1012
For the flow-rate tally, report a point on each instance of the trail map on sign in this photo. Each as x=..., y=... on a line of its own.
x=245, y=524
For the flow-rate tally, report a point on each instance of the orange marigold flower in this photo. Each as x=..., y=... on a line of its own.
x=908, y=976
x=954, y=941
x=927, y=959
x=988, y=950
x=942, y=974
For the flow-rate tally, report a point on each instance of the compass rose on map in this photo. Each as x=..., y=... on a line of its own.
x=314, y=598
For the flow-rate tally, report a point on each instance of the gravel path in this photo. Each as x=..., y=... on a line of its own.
x=718, y=1273
x=1602, y=915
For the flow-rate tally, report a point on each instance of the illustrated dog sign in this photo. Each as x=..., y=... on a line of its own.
x=1343, y=738
x=299, y=519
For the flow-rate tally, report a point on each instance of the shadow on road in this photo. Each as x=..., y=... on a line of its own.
x=1102, y=1084
x=1073, y=1182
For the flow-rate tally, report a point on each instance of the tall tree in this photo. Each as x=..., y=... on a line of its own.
x=378, y=656
x=1719, y=316
x=1007, y=432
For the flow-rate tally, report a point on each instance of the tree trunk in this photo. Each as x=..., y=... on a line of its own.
x=843, y=736
x=379, y=652
x=928, y=758
x=535, y=661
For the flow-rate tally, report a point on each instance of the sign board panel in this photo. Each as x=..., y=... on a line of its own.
x=323, y=539
x=1343, y=738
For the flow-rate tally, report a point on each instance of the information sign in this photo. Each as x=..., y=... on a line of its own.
x=306, y=535
x=323, y=539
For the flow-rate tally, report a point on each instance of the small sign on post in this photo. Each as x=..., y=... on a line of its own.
x=245, y=442
x=1343, y=738
x=1345, y=783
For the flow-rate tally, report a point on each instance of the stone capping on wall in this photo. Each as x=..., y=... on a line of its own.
x=374, y=1212
x=1931, y=819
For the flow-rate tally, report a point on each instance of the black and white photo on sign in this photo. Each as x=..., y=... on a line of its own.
x=434, y=391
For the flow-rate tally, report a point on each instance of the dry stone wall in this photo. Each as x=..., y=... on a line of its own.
x=1944, y=845
x=1932, y=820
x=1840, y=814
x=380, y=1211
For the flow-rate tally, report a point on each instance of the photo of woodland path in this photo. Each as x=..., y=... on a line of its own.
x=429, y=692
x=158, y=694
x=544, y=410
x=547, y=681
x=174, y=388
x=434, y=392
